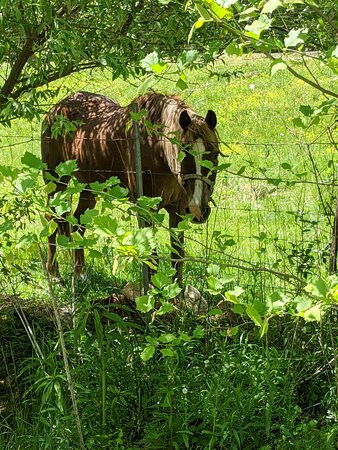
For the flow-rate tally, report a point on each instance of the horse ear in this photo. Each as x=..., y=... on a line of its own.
x=184, y=119
x=211, y=119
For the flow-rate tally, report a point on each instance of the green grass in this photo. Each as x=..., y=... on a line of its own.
x=219, y=391
x=255, y=115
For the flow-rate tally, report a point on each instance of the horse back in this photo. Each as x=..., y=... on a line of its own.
x=97, y=126
x=102, y=146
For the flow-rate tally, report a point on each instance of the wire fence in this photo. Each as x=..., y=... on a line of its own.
x=272, y=215
x=271, y=221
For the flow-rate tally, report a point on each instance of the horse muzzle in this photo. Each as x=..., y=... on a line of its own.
x=200, y=214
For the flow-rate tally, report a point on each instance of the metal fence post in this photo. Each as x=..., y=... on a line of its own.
x=139, y=188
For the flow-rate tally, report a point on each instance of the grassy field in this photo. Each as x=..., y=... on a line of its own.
x=219, y=390
x=263, y=219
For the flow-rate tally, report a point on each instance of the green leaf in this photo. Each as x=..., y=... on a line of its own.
x=150, y=60
x=6, y=226
x=238, y=308
x=314, y=313
x=232, y=295
x=258, y=26
x=188, y=57
x=25, y=181
x=215, y=312
x=247, y=14
x=213, y=269
x=254, y=315
x=62, y=240
x=167, y=352
x=159, y=68
x=229, y=243
x=166, y=338
x=270, y=6
x=27, y=240
x=276, y=66
x=32, y=161
x=241, y=170
x=274, y=181
x=160, y=280
x=219, y=11
x=205, y=163
x=203, y=12
x=296, y=37
x=261, y=237
x=137, y=116
x=95, y=254
x=234, y=49
x=185, y=337
x=88, y=216
x=260, y=307
x=215, y=284
x=181, y=84
x=286, y=166
x=148, y=352
x=104, y=225
x=165, y=308
x=50, y=187
x=234, y=331
x=302, y=303
x=171, y=291
x=145, y=303
x=319, y=288
x=66, y=168
x=72, y=220
x=149, y=202
x=226, y=3
x=307, y=110
x=198, y=332
x=298, y=122
x=199, y=23
x=7, y=171
x=152, y=340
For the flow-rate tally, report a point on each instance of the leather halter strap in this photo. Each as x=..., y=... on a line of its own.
x=196, y=176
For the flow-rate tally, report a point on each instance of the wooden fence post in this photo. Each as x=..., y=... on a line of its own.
x=139, y=188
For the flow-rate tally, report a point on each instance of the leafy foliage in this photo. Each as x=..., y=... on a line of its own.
x=271, y=26
x=46, y=41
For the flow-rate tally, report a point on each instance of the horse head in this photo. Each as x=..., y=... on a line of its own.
x=200, y=142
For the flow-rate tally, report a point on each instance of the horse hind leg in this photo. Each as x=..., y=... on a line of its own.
x=52, y=264
x=86, y=201
x=177, y=245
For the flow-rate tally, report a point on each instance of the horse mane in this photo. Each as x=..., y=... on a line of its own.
x=165, y=110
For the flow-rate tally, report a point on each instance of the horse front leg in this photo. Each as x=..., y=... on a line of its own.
x=177, y=245
x=62, y=228
x=154, y=254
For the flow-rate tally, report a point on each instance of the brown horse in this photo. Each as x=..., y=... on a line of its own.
x=102, y=146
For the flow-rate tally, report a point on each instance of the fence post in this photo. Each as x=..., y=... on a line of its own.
x=139, y=188
x=334, y=242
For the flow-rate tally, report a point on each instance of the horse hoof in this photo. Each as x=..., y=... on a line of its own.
x=80, y=275
x=56, y=279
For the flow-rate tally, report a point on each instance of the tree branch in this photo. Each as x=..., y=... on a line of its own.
x=53, y=77
x=25, y=53
x=306, y=80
